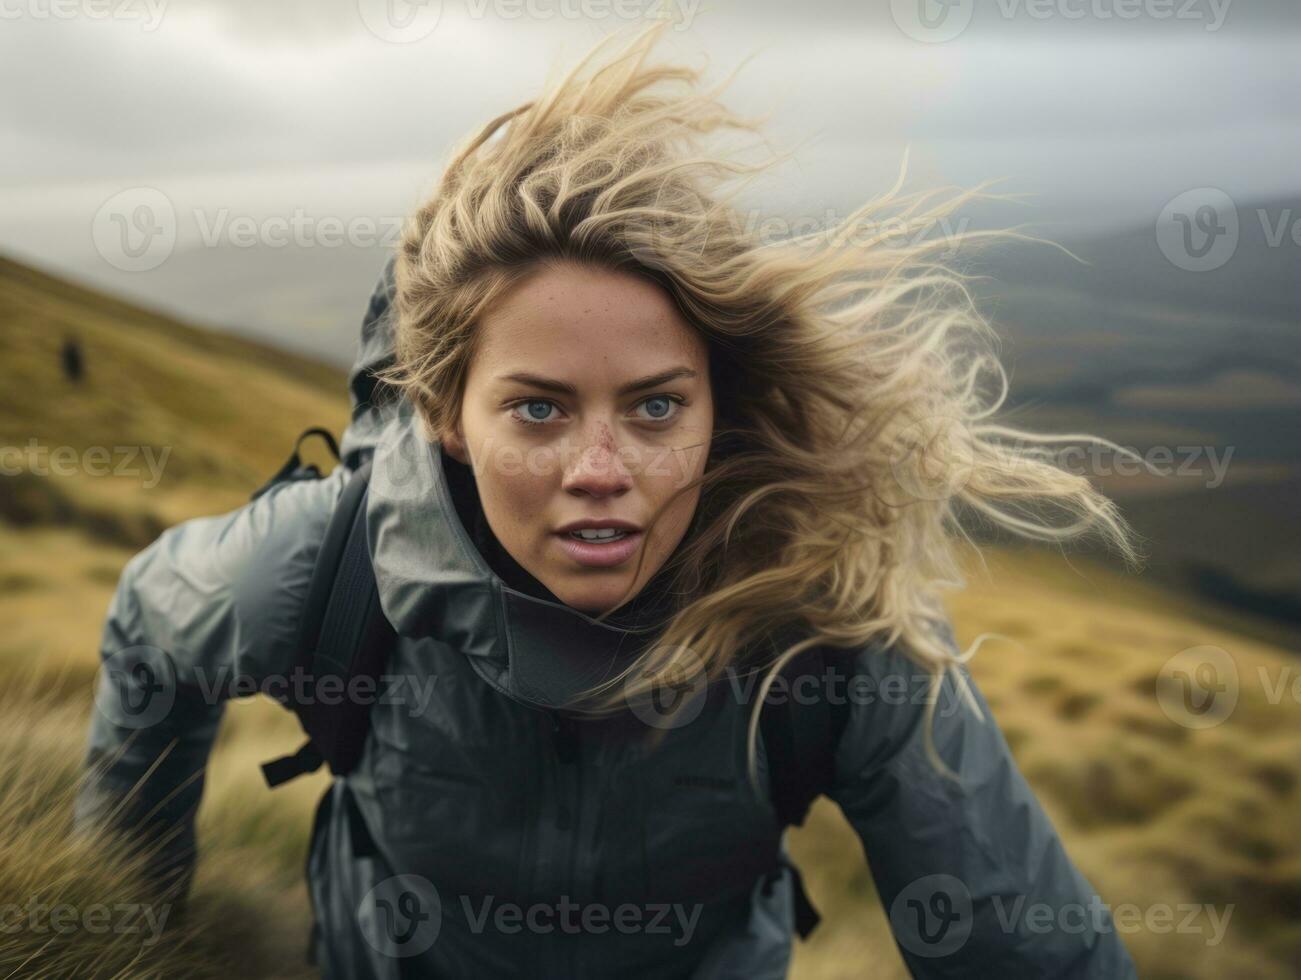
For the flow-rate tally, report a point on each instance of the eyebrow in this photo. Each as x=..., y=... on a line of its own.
x=564, y=388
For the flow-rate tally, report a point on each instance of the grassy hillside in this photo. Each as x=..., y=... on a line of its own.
x=218, y=413
x=1155, y=813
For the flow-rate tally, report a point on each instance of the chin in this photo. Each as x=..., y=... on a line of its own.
x=590, y=597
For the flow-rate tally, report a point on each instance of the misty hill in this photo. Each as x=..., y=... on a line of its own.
x=1258, y=282
x=167, y=420
x=1161, y=359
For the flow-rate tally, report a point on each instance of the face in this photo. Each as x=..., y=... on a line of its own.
x=587, y=404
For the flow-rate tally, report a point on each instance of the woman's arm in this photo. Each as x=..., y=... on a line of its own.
x=975, y=879
x=213, y=598
x=208, y=611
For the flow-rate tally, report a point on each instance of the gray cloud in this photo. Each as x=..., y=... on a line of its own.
x=259, y=109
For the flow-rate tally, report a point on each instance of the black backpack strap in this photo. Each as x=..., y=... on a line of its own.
x=800, y=736
x=293, y=469
x=343, y=635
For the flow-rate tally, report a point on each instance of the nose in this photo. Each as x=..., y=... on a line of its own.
x=599, y=469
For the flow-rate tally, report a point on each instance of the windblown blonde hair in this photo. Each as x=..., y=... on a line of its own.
x=852, y=431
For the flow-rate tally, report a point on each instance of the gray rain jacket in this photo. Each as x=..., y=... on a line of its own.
x=483, y=835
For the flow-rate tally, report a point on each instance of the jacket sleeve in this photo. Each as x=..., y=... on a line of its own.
x=973, y=877
x=208, y=611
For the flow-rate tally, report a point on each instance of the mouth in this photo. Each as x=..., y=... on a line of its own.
x=598, y=533
x=600, y=547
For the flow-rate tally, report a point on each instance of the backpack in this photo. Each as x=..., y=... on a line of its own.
x=343, y=632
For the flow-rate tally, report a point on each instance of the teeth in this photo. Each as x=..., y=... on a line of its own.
x=598, y=534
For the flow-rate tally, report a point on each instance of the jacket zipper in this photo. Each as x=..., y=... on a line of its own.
x=566, y=751
x=565, y=738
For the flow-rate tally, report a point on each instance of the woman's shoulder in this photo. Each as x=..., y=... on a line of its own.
x=891, y=692
x=280, y=529
x=226, y=588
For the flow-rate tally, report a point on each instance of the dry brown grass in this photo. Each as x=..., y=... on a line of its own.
x=79, y=907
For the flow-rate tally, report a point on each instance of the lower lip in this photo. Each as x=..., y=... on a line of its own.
x=601, y=554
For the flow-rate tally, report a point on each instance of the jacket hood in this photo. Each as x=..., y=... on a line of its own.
x=434, y=582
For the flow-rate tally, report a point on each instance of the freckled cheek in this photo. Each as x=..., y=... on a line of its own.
x=677, y=515
x=521, y=509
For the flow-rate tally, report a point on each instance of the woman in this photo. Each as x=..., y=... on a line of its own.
x=620, y=448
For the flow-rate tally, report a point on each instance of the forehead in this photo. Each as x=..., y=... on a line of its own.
x=574, y=317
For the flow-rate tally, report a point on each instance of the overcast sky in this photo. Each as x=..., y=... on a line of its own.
x=334, y=116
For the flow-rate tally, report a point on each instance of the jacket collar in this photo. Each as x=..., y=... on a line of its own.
x=435, y=583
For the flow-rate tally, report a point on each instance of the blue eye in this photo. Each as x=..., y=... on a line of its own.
x=535, y=411
x=538, y=411
x=661, y=407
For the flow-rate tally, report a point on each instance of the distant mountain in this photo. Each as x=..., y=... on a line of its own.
x=1257, y=281
x=307, y=300
x=1135, y=348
